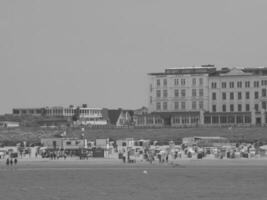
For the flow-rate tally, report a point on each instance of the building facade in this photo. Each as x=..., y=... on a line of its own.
x=28, y=111
x=205, y=95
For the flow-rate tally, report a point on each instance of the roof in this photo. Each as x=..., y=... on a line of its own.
x=236, y=72
x=114, y=115
x=204, y=69
x=111, y=115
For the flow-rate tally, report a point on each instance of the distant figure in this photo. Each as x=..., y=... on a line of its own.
x=11, y=162
x=7, y=161
x=15, y=161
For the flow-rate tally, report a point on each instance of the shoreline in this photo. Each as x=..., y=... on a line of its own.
x=111, y=162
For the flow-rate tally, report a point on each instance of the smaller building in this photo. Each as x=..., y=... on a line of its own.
x=118, y=117
x=64, y=143
x=28, y=111
x=202, y=140
x=9, y=124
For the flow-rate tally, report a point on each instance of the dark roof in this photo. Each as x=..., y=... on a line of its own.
x=205, y=69
x=113, y=115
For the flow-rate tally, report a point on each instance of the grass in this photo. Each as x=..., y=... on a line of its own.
x=163, y=135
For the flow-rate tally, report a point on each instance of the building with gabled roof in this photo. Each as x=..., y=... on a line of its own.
x=118, y=117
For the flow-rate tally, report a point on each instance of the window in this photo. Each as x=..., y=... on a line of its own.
x=183, y=105
x=182, y=81
x=158, y=106
x=201, y=92
x=247, y=95
x=224, y=95
x=176, y=105
x=231, y=95
x=247, y=84
x=149, y=121
x=183, y=92
x=68, y=142
x=165, y=93
x=230, y=119
x=200, y=105
x=213, y=85
x=213, y=108
x=264, y=82
x=194, y=105
x=176, y=93
x=215, y=119
x=158, y=82
x=232, y=84
x=176, y=120
x=239, y=95
x=213, y=96
x=239, y=108
x=256, y=84
x=223, y=119
x=194, y=120
x=165, y=82
x=256, y=106
x=224, y=108
x=239, y=119
x=231, y=107
x=256, y=95
x=194, y=81
x=158, y=93
x=247, y=119
x=223, y=84
x=194, y=92
x=239, y=84
x=165, y=105
x=200, y=81
x=207, y=119
x=247, y=107
x=185, y=120
x=263, y=105
x=176, y=81
x=263, y=92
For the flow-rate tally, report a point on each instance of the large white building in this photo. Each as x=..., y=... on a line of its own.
x=205, y=95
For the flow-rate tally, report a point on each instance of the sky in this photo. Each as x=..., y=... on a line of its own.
x=62, y=52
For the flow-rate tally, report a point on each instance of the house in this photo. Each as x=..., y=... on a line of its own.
x=9, y=124
x=63, y=143
x=118, y=117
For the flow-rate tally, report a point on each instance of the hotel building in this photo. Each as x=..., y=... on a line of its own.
x=205, y=95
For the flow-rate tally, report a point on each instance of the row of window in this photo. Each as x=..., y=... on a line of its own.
x=179, y=105
x=239, y=107
x=239, y=119
x=239, y=95
x=181, y=93
x=181, y=81
x=239, y=84
x=185, y=120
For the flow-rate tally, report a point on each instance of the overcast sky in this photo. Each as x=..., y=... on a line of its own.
x=61, y=52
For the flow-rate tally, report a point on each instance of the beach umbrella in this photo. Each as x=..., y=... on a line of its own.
x=264, y=147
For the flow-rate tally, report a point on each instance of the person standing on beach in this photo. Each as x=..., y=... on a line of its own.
x=15, y=161
x=7, y=161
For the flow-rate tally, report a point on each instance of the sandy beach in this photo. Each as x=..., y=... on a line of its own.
x=111, y=179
